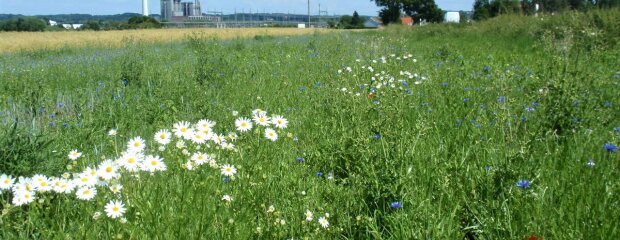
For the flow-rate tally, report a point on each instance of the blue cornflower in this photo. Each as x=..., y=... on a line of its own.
x=302, y=89
x=396, y=205
x=377, y=136
x=100, y=84
x=590, y=163
x=610, y=147
x=529, y=109
x=524, y=118
x=465, y=99
x=226, y=179
x=65, y=124
x=501, y=99
x=617, y=129
x=405, y=84
x=487, y=68
x=487, y=168
x=60, y=104
x=319, y=174
x=300, y=159
x=607, y=104
x=523, y=183
x=125, y=82
x=535, y=104
x=408, y=91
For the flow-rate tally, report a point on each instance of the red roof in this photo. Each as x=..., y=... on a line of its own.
x=406, y=21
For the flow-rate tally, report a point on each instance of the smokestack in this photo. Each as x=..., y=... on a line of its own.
x=145, y=7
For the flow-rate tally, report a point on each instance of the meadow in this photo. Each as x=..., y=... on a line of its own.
x=472, y=131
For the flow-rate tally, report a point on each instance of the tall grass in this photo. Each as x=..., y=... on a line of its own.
x=442, y=151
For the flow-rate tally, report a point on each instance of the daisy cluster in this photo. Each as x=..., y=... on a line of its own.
x=106, y=175
x=377, y=82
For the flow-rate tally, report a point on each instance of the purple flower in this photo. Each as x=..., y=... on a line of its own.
x=523, y=183
x=300, y=159
x=501, y=99
x=610, y=147
x=396, y=205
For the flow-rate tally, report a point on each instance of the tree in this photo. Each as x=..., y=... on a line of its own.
x=23, y=24
x=419, y=9
x=390, y=14
x=482, y=10
x=143, y=22
x=91, y=25
x=356, y=21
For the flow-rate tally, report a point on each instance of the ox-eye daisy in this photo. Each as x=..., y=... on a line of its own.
x=183, y=130
x=279, y=121
x=228, y=170
x=243, y=124
x=136, y=144
x=6, y=182
x=163, y=137
x=262, y=120
x=115, y=209
x=86, y=193
x=271, y=134
x=74, y=154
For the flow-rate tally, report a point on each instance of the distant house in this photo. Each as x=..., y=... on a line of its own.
x=406, y=21
x=53, y=23
x=67, y=26
x=373, y=22
x=72, y=26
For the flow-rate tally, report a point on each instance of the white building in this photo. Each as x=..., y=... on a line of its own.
x=53, y=23
x=452, y=17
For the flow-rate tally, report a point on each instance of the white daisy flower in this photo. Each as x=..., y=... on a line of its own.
x=271, y=134
x=258, y=111
x=74, y=154
x=85, y=180
x=228, y=170
x=309, y=216
x=115, y=209
x=199, y=137
x=41, y=183
x=204, y=124
x=24, y=184
x=218, y=139
x=116, y=188
x=323, y=221
x=163, y=137
x=130, y=161
x=262, y=120
x=65, y=186
x=136, y=144
x=279, y=121
x=227, y=198
x=153, y=164
x=182, y=130
x=86, y=193
x=112, y=132
x=243, y=124
x=200, y=158
x=6, y=182
x=107, y=170
x=23, y=197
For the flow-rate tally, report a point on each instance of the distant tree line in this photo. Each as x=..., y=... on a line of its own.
x=349, y=22
x=23, y=24
x=421, y=10
x=484, y=9
x=36, y=24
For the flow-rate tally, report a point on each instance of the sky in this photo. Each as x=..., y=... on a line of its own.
x=105, y=7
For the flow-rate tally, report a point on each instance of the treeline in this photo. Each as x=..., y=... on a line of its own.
x=484, y=9
x=349, y=22
x=23, y=24
x=35, y=24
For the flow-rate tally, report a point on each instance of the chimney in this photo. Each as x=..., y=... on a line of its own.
x=145, y=7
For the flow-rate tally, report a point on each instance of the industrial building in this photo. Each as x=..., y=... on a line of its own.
x=177, y=11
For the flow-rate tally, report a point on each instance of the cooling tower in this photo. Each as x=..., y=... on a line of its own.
x=145, y=7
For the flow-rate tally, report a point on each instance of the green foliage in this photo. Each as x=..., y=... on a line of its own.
x=143, y=22
x=23, y=153
x=484, y=106
x=390, y=14
x=23, y=24
x=351, y=22
x=421, y=10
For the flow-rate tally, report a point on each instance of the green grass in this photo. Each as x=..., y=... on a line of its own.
x=535, y=101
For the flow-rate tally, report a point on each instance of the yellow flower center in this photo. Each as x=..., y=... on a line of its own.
x=131, y=160
x=115, y=209
x=109, y=169
x=154, y=163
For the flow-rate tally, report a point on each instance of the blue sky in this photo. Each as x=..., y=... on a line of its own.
x=100, y=7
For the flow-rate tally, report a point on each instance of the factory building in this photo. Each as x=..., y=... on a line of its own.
x=175, y=10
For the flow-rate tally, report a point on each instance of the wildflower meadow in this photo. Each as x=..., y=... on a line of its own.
x=470, y=131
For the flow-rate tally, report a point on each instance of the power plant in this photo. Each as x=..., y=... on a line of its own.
x=177, y=11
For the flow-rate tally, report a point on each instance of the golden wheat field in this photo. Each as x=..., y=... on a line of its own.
x=18, y=41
